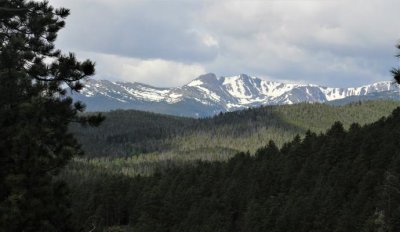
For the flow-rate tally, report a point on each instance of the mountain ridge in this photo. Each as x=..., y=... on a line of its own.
x=208, y=94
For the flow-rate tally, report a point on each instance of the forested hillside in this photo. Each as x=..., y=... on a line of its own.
x=289, y=168
x=136, y=143
x=129, y=132
x=343, y=180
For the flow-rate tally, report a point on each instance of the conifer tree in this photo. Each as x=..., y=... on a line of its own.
x=396, y=71
x=35, y=111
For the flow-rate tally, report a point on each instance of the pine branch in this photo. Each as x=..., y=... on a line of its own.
x=13, y=9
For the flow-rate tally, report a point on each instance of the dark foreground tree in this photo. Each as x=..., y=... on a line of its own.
x=35, y=112
x=396, y=71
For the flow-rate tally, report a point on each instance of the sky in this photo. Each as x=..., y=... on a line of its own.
x=168, y=43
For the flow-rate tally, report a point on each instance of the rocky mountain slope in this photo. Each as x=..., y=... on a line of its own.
x=209, y=94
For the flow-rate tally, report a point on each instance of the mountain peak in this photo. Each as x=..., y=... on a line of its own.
x=242, y=75
x=207, y=94
x=207, y=77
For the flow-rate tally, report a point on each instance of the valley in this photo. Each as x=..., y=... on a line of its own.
x=135, y=142
x=118, y=124
x=198, y=177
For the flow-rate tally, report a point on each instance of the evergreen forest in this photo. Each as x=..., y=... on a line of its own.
x=303, y=167
x=135, y=142
x=346, y=179
x=131, y=132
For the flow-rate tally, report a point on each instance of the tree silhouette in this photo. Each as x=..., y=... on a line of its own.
x=35, y=112
x=396, y=71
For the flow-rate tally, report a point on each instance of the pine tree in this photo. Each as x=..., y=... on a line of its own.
x=396, y=71
x=35, y=112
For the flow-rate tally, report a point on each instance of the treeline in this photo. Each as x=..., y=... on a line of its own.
x=130, y=132
x=343, y=180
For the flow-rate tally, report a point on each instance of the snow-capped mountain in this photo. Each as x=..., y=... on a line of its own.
x=208, y=95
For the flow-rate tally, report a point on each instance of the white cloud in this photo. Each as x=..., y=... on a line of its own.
x=329, y=42
x=339, y=43
x=209, y=41
x=161, y=73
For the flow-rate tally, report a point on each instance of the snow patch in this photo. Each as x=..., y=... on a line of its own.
x=231, y=93
x=195, y=83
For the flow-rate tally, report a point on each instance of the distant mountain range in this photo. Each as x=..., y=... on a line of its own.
x=208, y=95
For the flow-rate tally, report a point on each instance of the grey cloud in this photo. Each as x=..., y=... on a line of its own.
x=335, y=43
x=141, y=29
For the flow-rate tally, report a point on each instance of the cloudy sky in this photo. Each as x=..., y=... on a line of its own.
x=338, y=43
